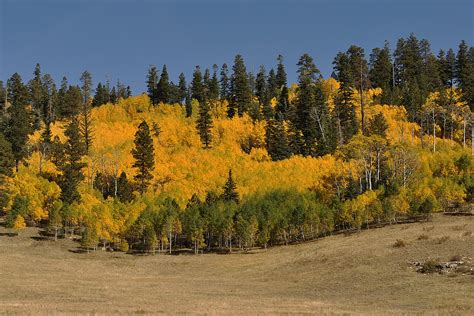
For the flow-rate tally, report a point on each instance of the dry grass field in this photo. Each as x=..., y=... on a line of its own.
x=357, y=274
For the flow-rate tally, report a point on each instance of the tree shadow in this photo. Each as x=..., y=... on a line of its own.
x=9, y=234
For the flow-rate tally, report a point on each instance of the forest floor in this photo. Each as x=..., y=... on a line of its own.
x=361, y=273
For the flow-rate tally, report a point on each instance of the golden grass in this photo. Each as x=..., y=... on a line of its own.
x=358, y=274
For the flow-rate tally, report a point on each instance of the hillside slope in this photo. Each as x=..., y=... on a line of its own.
x=361, y=274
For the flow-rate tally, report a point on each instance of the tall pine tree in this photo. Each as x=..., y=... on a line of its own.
x=241, y=92
x=144, y=155
x=70, y=164
x=204, y=124
x=85, y=123
x=19, y=119
x=152, y=83
x=230, y=189
x=163, y=88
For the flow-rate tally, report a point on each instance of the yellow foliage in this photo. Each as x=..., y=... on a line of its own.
x=19, y=222
x=40, y=192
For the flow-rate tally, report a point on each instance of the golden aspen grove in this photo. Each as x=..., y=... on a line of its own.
x=252, y=157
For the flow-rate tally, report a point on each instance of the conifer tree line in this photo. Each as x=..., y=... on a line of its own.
x=305, y=124
x=407, y=75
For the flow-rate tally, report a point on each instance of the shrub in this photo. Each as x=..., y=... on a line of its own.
x=456, y=258
x=123, y=246
x=442, y=239
x=19, y=209
x=428, y=228
x=399, y=243
x=423, y=237
x=467, y=233
x=430, y=266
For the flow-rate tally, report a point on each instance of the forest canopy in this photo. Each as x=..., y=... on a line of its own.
x=237, y=159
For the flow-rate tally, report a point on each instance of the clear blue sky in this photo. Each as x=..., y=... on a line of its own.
x=120, y=39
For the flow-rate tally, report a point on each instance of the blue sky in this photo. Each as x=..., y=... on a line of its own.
x=121, y=38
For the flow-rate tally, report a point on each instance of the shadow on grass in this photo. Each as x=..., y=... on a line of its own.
x=9, y=234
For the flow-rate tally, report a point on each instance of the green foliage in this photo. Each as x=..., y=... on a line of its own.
x=152, y=83
x=204, y=124
x=69, y=162
x=241, y=93
x=143, y=153
x=19, y=208
x=163, y=89
x=90, y=238
x=230, y=189
x=7, y=159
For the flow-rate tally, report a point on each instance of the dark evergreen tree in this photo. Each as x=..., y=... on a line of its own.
x=36, y=92
x=303, y=120
x=189, y=104
x=174, y=96
x=73, y=101
x=183, y=88
x=70, y=164
x=283, y=105
x=230, y=189
x=144, y=156
x=49, y=98
x=163, y=87
x=261, y=86
x=325, y=130
x=378, y=125
x=224, y=83
x=124, y=188
x=241, y=93
x=360, y=76
x=129, y=92
x=121, y=90
x=204, y=124
x=3, y=98
x=214, y=84
x=465, y=72
x=207, y=82
x=344, y=109
x=114, y=95
x=450, y=67
x=19, y=119
x=272, y=85
x=197, y=85
x=101, y=96
x=61, y=99
x=152, y=83
x=7, y=160
x=85, y=116
x=276, y=139
x=280, y=74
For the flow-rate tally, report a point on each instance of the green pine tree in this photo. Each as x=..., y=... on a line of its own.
x=224, y=83
x=70, y=163
x=230, y=189
x=183, y=88
x=7, y=160
x=85, y=115
x=163, y=89
x=19, y=119
x=152, y=83
x=344, y=109
x=197, y=85
x=241, y=92
x=214, y=84
x=143, y=153
x=303, y=119
x=124, y=188
x=204, y=124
